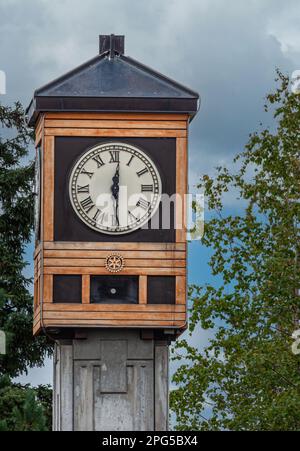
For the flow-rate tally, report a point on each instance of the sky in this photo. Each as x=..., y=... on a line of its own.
x=227, y=50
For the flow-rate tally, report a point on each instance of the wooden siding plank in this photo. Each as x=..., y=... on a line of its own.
x=37, y=314
x=35, y=295
x=100, y=262
x=39, y=129
x=114, y=323
x=37, y=251
x=115, y=124
x=36, y=328
x=85, y=290
x=167, y=308
x=107, y=132
x=63, y=245
x=126, y=271
x=138, y=255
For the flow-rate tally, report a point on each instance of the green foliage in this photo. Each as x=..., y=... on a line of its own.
x=247, y=377
x=16, y=222
x=44, y=395
x=23, y=408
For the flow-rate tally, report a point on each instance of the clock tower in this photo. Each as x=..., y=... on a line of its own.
x=110, y=256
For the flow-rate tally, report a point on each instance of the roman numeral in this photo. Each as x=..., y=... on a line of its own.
x=142, y=172
x=147, y=188
x=87, y=204
x=129, y=162
x=99, y=216
x=143, y=204
x=89, y=174
x=114, y=156
x=83, y=189
x=99, y=161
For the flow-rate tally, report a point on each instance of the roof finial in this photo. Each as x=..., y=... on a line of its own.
x=111, y=44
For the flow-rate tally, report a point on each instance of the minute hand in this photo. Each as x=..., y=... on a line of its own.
x=115, y=191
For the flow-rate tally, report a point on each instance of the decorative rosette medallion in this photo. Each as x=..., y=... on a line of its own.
x=114, y=263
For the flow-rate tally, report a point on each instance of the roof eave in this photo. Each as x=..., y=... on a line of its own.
x=42, y=104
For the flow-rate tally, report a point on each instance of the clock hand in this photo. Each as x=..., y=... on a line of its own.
x=117, y=211
x=115, y=191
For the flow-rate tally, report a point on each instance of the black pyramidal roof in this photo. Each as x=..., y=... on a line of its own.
x=113, y=82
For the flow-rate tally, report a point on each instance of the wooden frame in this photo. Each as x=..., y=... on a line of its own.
x=85, y=289
x=143, y=290
x=48, y=189
x=142, y=259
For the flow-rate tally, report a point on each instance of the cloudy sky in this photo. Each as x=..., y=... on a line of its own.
x=227, y=50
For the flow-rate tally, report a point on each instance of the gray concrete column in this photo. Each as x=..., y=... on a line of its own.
x=112, y=380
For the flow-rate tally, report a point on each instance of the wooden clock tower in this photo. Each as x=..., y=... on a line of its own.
x=110, y=117
x=111, y=175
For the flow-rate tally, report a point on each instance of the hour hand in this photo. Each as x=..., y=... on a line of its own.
x=115, y=191
x=115, y=186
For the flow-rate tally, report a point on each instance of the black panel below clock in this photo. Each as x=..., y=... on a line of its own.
x=161, y=289
x=114, y=289
x=67, y=225
x=67, y=289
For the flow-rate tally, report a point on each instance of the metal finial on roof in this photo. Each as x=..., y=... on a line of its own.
x=111, y=44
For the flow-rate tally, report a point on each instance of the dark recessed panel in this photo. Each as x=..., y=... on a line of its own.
x=114, y=289
x=67, y=289
x=67, y=225
x=161, y=289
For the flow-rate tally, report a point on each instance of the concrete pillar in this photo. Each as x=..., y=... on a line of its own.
x=111, y=381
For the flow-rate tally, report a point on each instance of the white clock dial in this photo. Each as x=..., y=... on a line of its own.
x=115, y=188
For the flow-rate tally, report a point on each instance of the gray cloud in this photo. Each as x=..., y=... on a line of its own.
x=227, y=50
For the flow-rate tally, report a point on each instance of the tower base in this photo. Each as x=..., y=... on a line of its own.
x=111, y=380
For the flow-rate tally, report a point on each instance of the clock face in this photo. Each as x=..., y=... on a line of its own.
x=115, y=188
